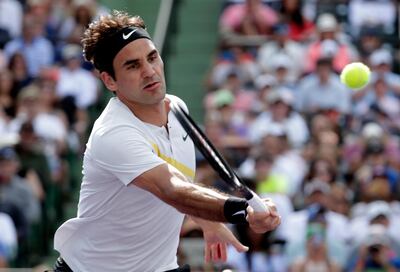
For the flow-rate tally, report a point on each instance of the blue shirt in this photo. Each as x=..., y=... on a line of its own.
x=38, y=54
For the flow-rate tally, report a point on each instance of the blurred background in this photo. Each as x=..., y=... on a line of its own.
x=262, y=78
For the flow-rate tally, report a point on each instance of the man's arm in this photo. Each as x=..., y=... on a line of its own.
x=172, y=187
x=168, y=184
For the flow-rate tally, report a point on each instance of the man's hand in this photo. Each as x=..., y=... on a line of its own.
x=217, y=237
x=261, y=222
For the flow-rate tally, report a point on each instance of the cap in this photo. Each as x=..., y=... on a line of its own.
x=8, y=139
x=7, y=154
x=222, y=97
x=380, y=56
x=275, y=129
x=316, y=186
x=326, y=22
x=281, y=95
x=372, y=130
x=377, y=208
x=29, y=92
x=71, y=51
x=265, y=81
x=280, y=61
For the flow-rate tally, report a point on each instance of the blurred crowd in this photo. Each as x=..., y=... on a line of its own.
x=48, y=99
x=274, y=106
x=328, y=156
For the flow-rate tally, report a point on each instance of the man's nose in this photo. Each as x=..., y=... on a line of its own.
x=148, y=70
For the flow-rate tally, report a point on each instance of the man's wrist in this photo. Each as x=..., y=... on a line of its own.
x=235, y=210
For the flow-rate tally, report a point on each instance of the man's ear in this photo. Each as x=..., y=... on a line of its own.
x=109, y=81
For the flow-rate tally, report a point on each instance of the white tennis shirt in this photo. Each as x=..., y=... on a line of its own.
x=120, y=227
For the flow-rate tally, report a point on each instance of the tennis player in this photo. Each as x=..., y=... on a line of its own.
x=138, y=169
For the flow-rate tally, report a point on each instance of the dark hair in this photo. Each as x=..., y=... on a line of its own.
x=99, y=31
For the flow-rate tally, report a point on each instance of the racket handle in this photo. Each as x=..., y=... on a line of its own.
x=257, y=204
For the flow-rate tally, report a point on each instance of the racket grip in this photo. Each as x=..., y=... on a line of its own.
x=257, y=204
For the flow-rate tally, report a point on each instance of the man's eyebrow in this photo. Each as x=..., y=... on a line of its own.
x=135, y=61
x=152, y=52
x=130, y=62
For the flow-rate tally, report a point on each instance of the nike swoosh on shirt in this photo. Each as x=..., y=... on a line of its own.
x=239, y=213
x=185, y=137
x=126, y=36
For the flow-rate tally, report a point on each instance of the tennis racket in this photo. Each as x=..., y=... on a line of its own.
x=215, y=159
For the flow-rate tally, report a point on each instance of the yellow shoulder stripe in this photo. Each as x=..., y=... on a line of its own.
x=178, y=165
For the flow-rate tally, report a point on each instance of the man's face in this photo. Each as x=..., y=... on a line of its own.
x=139, y=74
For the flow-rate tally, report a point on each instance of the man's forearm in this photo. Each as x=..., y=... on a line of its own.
x=197, y=201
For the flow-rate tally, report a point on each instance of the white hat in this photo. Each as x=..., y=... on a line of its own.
x=377, y=208
x=372, y=130
x=263, y=81
x=281, y=94
x=380, y=56
x=280, y=61
x=316, y=186
x=275, y=129
x=326, y=22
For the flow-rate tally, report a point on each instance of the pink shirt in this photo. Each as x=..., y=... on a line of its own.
x=234, y=15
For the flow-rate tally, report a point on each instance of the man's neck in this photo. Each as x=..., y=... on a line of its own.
x=156, y=114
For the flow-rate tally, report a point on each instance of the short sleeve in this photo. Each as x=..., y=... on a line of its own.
x=125, y=152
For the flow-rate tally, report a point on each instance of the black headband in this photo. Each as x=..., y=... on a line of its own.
x=109, y=47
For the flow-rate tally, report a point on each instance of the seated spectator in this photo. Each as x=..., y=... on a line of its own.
x=8, y=240
x=72, y=28
x=18, y=68
x=16, y=190
x=300, y=28
x=316, y=258
x=336, y=229
x=381, y=62
x=342, y=53
x=369, y=12
x=7, y=102
x=281, y=44
x=248, y=19
x=233, y=61
x=37, y=50
x=323, y=90
x=376, y=252
x=11, y=13
x=72, y=80
x=280, y=111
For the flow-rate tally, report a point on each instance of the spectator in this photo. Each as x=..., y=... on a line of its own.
x=11, y=14
x=16, y=190
x=250, y=19
x=72, y=80
x=340, y=50
x=365, y=13
x=73, y=27
x=280, y=44
x=18, y=68
x=323, y=90
x=316, y=258
x=37, y=50
x=280, y=111
x=300, y=28
x=6, y=100
x=376, y=252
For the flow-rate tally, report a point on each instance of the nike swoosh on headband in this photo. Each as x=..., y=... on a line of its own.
x=128, y=35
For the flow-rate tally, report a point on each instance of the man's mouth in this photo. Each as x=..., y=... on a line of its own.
x=151, y=86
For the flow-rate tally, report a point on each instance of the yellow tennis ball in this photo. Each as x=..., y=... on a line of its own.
x=355, y=75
